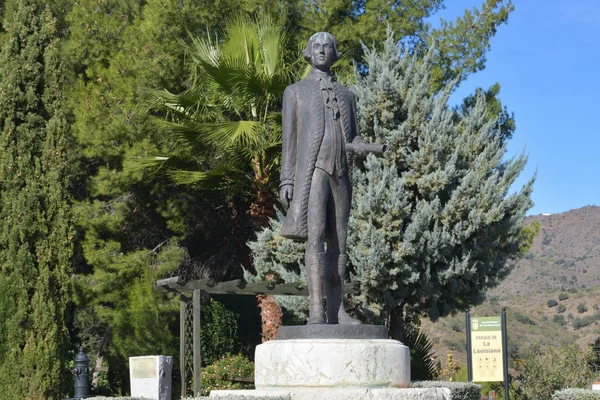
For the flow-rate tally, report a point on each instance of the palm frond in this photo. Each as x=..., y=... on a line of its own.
x=273, y=41
x=202, y=51
x=241, y=39
x=170, y=162
x=234, y=134
x=141, y=163
x=210, y=179
x=423, y=365
x=187, y=136
x=191, y=104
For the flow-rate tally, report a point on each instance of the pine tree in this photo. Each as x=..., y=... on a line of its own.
x=433, y=224
x=36, y=241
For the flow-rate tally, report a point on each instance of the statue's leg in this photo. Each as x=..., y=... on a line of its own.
x=315, y=257
x=337, y=267
x=315, y=274
x=333, y=288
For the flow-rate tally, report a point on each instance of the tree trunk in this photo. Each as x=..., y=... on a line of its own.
x=270, y=314
x=263, y=206
x=261, y=211
x=398, y=324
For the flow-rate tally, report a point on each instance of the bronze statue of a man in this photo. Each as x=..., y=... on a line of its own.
x=319, y=123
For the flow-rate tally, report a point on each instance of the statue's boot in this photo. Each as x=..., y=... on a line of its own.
x=315, y=274
x=336, y=314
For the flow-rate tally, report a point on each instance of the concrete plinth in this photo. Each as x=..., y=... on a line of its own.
x=333, y=369
x=332, y=363
x=338, y=394
x=151, y=377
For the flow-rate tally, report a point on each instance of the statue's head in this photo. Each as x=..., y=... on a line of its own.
x=321, y=50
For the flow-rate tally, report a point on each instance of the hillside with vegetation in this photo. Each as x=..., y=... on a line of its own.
x=551, y=295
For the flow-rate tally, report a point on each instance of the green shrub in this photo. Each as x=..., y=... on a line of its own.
x=457, y=325
x=579, y=323
x=218, y=375
x=218, y=332
x=581, y=308
x=547, y=369
x=576, y=394
x=563, y=296
x=559, y=319
x=524, y=319
x=552, y=303
x=561, y=308
x=458, y=390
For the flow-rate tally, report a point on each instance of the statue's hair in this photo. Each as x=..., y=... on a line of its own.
x=307, y=52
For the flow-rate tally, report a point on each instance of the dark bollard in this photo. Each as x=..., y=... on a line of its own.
x=80, y=375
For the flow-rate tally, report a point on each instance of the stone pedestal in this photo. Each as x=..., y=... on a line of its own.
x=151, y=377
x=332, y=363
x=334, y=369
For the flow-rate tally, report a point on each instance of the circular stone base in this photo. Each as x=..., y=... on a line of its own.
x=335, y=331
x=332, y=363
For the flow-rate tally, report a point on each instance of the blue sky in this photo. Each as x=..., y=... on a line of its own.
x=547, y=61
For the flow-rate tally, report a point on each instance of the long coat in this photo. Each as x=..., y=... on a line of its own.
x=303, y=129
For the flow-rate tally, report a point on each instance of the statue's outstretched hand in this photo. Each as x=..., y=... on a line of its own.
x=285, y=194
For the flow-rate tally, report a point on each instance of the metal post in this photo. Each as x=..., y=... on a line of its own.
x=183, y=301
x=196, y=318
x=505, y=353
x=80, y=376
x=469, y=355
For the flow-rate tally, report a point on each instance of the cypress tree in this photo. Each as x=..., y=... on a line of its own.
x=433, y=225
x=36, y=239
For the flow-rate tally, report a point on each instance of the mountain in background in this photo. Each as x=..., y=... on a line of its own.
x=552, y=294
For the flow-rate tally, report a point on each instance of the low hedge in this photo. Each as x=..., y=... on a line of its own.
x=458, y=390
x=576, y=394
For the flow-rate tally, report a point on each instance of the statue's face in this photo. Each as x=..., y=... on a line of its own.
x=322, y=52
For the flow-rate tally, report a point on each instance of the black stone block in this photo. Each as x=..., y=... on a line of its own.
x=324, y=331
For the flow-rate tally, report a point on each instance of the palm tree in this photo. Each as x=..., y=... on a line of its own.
x=225, y=130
